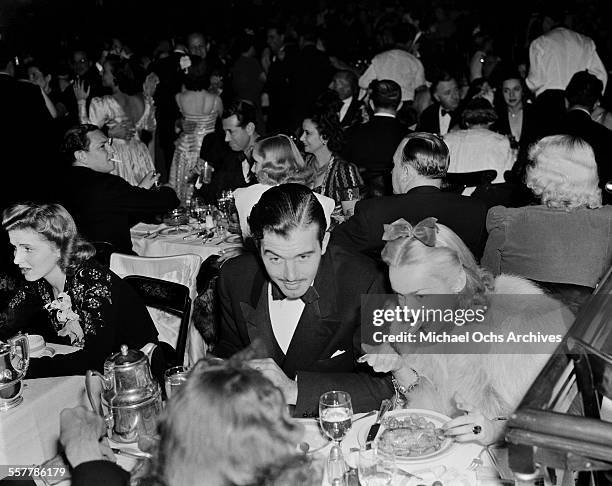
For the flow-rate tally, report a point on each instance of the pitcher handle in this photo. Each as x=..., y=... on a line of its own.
x=21, y=340
x=95, y=399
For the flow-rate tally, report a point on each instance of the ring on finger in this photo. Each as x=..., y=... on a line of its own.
x=477, y=429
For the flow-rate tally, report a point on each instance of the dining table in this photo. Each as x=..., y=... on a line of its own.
x=155, y=240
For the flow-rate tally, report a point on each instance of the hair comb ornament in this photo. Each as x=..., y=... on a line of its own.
x=425, y=231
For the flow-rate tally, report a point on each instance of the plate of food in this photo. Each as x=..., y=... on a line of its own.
x=412, y=435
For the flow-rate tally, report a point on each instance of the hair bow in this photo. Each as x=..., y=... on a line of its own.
x=425, y=231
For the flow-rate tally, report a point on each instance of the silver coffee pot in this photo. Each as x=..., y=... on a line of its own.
x=14, y=361
x=130, y=398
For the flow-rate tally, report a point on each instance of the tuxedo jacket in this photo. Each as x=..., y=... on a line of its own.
x=430, y=120
x=371, y=146
x=105, y=207
x=99, y=473
x=353, y=116
x=327, y=340
x=465, y=215
x=580, y=124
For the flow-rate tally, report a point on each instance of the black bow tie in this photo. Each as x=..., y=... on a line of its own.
x=444, y=112
x=310, y=296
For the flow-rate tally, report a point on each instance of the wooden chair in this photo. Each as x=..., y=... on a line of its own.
x=169, y=297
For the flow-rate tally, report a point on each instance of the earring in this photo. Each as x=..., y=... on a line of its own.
x=324, y=142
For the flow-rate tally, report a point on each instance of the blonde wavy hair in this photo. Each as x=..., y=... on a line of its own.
x=449, y=252
x=282, y=162
x=563, y=173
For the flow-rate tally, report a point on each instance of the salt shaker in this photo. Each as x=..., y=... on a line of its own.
x=336, y=467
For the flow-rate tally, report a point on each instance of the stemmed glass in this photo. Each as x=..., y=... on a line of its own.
x=335, y=412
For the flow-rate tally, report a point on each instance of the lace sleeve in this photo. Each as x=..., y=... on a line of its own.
x=92, y=295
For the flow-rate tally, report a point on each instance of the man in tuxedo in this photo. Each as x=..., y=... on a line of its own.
x=103, y=205
x=442, y=116
x=230, y=154
x=301, y=298
x=345, y=84
x=28, y=167
x=420, y=163
x=371, y=146
x=583, y=93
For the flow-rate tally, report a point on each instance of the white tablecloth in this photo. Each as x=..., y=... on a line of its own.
x=175, y=245
x=29, y=432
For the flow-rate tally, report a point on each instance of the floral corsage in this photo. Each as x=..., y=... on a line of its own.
x=66, y=318
x=185, y=63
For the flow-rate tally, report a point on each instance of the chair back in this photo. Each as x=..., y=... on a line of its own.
x=458, y=181
x=180, y=269
x=168, y=297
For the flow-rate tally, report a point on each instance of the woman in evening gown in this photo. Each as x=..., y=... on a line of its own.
x=126, y=113
x=200, y=110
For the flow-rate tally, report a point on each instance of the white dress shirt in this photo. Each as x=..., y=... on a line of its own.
x=445, y=121
x=345, y=106
x=559, y=54
x=284, y=316
x=399, y=66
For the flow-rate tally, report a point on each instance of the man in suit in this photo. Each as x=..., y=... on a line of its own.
x=371, y=146
x=302, y=300
x=28, y=169
x=420, y=163
x=230, y=153
x=583, y=93
x=351, y=111
x=104, y=206
x=442, y=116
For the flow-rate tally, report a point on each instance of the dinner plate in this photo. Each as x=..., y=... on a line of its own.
x=313, y=436
x=360, y=430
x=176, y=230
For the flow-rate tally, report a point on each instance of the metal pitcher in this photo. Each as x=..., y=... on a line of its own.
x=14, y=361
x=130, y=398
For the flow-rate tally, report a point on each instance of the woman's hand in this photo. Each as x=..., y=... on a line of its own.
x=124, y=130
x=150, y=85
x=382, y=359
x=473, y=426
x=149, y=180
x=80, y=92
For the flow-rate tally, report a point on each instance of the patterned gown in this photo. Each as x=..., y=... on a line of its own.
x=110, y=314
x=135, y=160
x=187, y=153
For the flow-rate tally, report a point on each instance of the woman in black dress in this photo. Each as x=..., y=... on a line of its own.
x=68, y=297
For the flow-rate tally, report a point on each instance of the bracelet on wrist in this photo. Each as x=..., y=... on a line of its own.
x=406, y=389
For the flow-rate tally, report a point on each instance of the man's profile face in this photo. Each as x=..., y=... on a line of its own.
x=342, y=86
x=447, y=93
x=237, y=137
x=98, y=156
x=292, y=262
x=274, y=40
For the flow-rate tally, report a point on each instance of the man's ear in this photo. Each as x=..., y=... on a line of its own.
x=250, y=128
x=325, y=242
x=436, y=97
x=399, y=107
x=80, y=156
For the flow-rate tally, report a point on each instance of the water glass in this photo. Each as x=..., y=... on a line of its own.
x=206, y=173
x=375, y=469
x=335, y=414
x=173, y=379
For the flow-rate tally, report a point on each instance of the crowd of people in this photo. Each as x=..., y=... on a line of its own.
x=483, y=169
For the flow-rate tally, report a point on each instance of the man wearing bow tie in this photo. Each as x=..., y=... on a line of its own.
x=302, y=299
x=442, y=116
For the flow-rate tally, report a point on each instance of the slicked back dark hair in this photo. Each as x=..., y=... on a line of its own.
x=244, y=111
x=284, y=209
x=584, y=89
x=386, y=94
x=76, y=139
